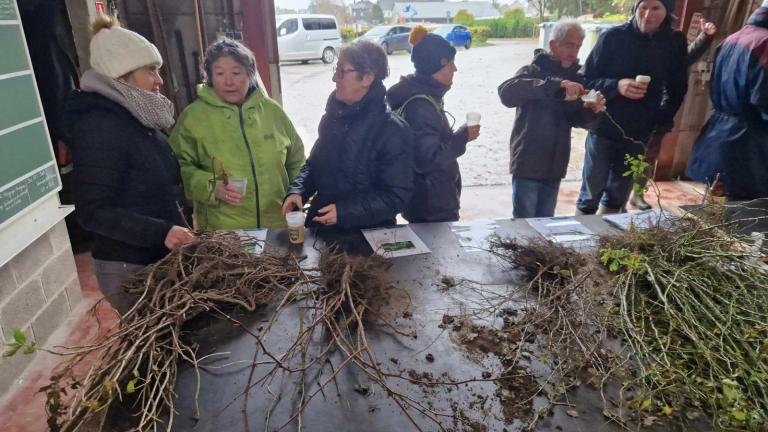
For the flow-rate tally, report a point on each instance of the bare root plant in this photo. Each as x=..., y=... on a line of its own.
x=142, y=355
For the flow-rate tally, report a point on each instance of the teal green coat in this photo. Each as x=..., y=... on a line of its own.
x=256, y=141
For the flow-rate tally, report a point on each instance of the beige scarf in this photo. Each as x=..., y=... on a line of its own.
x=153, y=110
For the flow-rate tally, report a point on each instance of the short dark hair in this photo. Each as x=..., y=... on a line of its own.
x=229, y=48
x=366, y=57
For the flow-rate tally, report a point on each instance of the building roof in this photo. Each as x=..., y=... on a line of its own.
x=364, y=4
x=439, y=10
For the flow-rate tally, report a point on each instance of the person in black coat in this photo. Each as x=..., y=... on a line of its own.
x=128, y=188
x=546, y=95
x=646, y=45
x=419, y=99
x=360, y=171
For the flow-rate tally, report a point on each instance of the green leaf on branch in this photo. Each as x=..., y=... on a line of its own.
x=19, y=337
x=131, y=387
x=20, y=343
x=12, y=350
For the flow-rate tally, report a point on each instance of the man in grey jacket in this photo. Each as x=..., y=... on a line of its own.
x=547, y=96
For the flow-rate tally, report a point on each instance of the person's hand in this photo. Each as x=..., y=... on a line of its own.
x=228, y=194
x=292, y=203
x=473, y=132
x=707, y=28
x=328, y=215
x=632, y=89
x=177, y=236
x=598, y=105
x=572, y=90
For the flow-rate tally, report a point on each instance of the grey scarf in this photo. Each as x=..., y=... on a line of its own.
x=153, y=110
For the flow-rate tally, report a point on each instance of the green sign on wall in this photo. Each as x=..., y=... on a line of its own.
x=27, y=169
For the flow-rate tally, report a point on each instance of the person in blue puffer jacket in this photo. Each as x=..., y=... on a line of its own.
x=734, y=142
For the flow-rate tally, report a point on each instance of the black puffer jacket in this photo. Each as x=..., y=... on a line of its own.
x=361, y=162
x=625, y=52
x=437, y=180
x=128, y=188
x=541, y=138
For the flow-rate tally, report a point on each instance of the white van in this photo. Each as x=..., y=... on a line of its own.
x=308, y=37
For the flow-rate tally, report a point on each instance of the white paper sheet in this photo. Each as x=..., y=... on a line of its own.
x=564, y=230
x=641, y=220
x=259, y=234
x=395, y=242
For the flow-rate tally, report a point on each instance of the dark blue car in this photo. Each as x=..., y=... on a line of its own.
x=457, y=35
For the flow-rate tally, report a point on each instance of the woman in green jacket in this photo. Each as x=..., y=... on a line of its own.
x=237, y=149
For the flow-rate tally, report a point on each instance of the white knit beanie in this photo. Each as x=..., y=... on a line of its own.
x=115, y=51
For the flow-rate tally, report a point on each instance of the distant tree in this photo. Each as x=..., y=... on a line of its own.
x=329, y=7
x=623, y=6
x=515, y=14
x=463, y=17
x=541, y=8
x=377, y=16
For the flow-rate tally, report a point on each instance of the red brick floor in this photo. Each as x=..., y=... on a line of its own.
x=23, y=409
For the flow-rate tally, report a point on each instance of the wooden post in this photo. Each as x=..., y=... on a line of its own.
x=260, y=35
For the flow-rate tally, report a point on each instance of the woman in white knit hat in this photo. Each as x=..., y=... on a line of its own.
x=128, y=188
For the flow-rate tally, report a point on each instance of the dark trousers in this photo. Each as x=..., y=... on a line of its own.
x=603, y=181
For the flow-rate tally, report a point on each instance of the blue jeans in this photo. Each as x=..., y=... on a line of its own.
x=534, y=198
x=603, y=181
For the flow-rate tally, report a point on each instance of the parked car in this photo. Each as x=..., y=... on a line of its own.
x=391, y=38
x=308, y=37
x=457, y=35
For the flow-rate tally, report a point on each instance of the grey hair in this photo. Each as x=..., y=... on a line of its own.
x=562, y=28
x=366, y=57
x=229, y=48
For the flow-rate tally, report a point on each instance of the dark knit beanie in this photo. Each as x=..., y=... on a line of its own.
x=430, y=52
x=669, y=5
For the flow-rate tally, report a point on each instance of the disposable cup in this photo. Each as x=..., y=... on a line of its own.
x=295, y=221
x=643, y=79
x=473, y=118
x=238, y=184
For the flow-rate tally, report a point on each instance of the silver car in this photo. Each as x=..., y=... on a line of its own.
x=391, y=38
x=308, y=37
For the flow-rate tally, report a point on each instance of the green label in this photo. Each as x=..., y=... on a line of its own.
x=24, y=193
x=25, y=147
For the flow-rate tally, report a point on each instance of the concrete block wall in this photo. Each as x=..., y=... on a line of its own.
x=38, y=290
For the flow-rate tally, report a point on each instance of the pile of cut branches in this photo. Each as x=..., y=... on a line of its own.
x=694, y=310
x=690, y=304
x=141, y=356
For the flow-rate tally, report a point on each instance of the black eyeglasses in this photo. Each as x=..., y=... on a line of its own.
x=341, y=71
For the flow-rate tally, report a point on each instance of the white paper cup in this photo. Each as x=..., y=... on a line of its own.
x=295, y=221
x=473, y=118
x=643, y=79
x=238, y=184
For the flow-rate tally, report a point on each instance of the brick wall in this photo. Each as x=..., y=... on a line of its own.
x=38, y=290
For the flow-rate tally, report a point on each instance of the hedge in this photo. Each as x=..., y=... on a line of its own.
x=510, y=27
x=479, y=33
